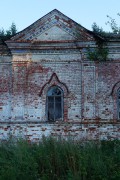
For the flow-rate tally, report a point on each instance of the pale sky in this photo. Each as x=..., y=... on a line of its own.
x=25, y=12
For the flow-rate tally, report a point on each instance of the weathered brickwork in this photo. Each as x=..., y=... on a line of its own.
x=52, y=52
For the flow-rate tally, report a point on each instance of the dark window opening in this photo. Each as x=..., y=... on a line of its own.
x=118, y=103
x=54, y=104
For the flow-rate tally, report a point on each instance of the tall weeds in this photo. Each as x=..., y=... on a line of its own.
x=60, y=160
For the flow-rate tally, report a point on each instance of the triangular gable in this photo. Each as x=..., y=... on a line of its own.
x=53, y=34
x=53, y=26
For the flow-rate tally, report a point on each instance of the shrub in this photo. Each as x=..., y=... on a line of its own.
x=60, y=160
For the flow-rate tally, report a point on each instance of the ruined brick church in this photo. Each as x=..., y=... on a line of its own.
x=49, y=86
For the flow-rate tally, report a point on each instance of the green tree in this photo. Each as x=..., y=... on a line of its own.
x=13, y=29
x=97, y=29
x=4, y=35
x=115, y=28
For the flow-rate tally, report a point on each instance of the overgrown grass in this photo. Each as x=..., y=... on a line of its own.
x=60, y=160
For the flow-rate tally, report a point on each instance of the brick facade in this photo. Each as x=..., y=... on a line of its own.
x=53, y=52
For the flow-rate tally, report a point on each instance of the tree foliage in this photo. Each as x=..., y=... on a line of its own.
x=113, y=25
x=115, y=28
x=98, y=54
x=6, y=34
x=97, y=29
x=101, y=52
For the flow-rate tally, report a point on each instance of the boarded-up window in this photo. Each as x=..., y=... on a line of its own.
x=54, y=104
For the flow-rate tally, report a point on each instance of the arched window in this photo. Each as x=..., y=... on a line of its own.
x=54, y=104
x=118, y=103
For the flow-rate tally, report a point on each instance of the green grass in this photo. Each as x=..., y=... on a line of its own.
x=59, y=160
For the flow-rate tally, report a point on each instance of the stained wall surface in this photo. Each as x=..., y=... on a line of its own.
x=53, y=52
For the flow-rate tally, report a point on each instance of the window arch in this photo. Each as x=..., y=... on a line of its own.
x=118, y=103
x=115, y=94
x=55, y=104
